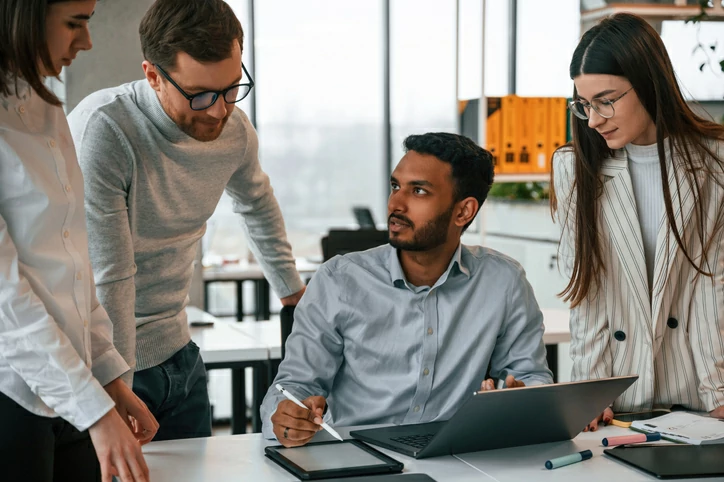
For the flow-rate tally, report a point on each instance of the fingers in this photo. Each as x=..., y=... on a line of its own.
x=106, y=474
x=294, y=438
x=137, y=465
x=607, y=416
x=316, y=405
x=143, y=416
x=124, y=473
x=146, y=425
x=593, y=426
x=297, y=435
x=294, y=425
x=717, y=412
x=511, y=382
x=293, y=410
x=121, y=408
x=304, y=425
x=487, y=385
x=143, y=436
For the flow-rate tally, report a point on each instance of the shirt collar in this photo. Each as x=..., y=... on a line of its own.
x=397, y=275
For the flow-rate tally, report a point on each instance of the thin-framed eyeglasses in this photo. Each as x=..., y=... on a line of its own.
x=603, y=107
x=204, y=100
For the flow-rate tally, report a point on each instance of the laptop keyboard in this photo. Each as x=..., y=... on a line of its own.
x=416, y=441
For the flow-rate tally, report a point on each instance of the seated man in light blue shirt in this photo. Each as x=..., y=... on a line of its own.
x=405, y=332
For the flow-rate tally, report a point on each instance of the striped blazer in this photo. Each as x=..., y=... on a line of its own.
x=671, y=336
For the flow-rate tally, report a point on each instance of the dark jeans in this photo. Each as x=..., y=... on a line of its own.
x=175, y=392
x=35, y=448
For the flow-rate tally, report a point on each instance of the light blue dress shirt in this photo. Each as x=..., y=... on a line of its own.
x=381, y=350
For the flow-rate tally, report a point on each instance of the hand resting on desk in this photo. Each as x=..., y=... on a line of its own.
x=510, y=382
x=300, y=424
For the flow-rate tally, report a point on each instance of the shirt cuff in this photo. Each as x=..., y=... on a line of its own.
x=288, y=284
x=91, y=404
x=109, y=366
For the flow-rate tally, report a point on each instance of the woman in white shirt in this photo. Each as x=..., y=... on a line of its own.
x=640, y=197
x=59, y=371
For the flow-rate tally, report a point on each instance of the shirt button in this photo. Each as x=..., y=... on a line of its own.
x=426, y=372
x=429, y=331
x=66, y=233
x=78, y=276
x=417, y=408
x=85, y=323
x=52, y=143
x=21, y=109
x=67, y=188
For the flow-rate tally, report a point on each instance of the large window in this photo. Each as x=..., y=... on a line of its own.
x=681, y=39
x=547, y=35
x=320, y=82
x=422, y=69
x=224, y=234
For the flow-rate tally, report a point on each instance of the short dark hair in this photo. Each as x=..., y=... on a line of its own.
x=204, y=29
x=23, y=44
x=472, y=166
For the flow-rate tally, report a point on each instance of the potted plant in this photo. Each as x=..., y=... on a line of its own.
x=520, y=210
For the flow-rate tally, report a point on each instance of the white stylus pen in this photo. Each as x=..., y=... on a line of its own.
x=296, y=400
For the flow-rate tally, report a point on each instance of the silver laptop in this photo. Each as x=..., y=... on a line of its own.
x=505, y=418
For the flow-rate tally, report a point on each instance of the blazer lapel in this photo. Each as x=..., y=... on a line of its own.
x=667, y=247
x=620, y=217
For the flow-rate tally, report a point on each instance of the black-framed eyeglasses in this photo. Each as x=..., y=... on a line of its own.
x=603, y=107
x=204, y=100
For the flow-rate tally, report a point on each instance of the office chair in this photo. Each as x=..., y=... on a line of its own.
x=342, y=241
x=286, y=316
x=364, y=217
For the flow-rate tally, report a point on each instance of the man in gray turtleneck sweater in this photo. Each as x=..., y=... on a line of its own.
x=157, y=154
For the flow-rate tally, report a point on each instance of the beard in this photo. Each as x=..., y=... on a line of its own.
x=427, y=237
x=195, y=127
x=201, y=131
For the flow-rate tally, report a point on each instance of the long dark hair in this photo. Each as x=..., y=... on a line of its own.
x=23, y=44
x=626, y=45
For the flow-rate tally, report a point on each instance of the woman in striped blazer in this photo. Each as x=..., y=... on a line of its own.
x=639, y=194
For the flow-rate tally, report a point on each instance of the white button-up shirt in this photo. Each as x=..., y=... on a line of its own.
x=56, y=340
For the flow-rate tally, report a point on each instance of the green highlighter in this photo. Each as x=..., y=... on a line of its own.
x=568, y=459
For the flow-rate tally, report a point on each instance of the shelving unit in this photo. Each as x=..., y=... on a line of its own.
x=500, y=178
x=679, y=10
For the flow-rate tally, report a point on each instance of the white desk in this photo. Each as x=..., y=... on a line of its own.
x=222, y=346
x=251, y=271
x=245, y=271
x=241, y=457
x=267, y=333
x=222, y=343
x=524, y=464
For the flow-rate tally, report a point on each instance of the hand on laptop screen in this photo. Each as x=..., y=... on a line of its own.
x=510, y=382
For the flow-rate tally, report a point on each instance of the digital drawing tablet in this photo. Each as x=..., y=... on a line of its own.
x=408, y=477
x=673, y=461
x=324, y=460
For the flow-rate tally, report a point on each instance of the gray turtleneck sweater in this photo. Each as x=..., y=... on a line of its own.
x=150, y=189
x=645, y=173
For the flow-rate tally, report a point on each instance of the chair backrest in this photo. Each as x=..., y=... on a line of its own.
x=343, y=241
x=286, y=316
x=364, y=217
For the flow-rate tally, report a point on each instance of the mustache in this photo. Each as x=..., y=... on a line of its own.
x=402, y=218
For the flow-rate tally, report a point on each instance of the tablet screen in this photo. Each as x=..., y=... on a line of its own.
x=330, y=456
